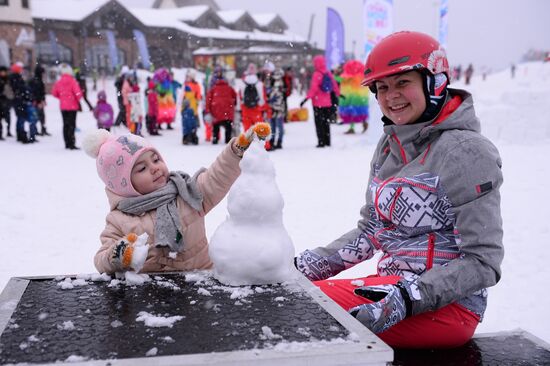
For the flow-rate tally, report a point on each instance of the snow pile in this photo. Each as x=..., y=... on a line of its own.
x=155, y=321
x=140, y=252
x=252, y=246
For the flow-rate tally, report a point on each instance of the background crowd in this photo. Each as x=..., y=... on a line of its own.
x=215, y=103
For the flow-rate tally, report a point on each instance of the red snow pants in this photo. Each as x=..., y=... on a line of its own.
x=450, y=326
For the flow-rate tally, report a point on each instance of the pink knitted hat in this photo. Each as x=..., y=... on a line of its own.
x=115, y=157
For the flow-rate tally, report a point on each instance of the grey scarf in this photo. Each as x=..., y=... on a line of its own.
x=168, y=227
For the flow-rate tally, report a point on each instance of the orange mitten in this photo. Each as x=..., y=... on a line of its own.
x=261, y=129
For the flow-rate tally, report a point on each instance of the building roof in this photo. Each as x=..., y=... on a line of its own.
x=264, y=19
x=184, y=14
x=68, y=10
x=78, y=10
x=170, y=18
x=231, y=16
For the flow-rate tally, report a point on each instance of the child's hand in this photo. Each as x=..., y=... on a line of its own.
x=131, y=252
x=261, y=129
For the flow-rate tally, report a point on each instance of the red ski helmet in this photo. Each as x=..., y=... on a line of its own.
x=404, y=51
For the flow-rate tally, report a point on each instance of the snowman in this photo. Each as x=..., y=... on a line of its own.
x=252, y=246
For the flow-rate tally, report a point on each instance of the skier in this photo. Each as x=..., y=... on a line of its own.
x=432, y=207
x=169, y=206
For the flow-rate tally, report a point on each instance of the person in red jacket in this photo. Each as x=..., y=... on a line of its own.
x=67, y=90
x=152, y=109
x=220, y=108
x=252, y=98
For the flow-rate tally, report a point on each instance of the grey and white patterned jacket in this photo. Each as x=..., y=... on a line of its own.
x=432, y=208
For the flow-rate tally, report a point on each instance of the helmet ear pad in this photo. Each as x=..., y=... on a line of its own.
x=435, y=92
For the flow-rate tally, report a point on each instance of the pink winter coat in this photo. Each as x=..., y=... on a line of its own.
x=68, y=92
x=214, y=183
x=318, y=97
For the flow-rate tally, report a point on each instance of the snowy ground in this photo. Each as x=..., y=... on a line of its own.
x=52, y=206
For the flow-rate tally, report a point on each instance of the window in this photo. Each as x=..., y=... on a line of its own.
x=25, y=4
x=46, y=53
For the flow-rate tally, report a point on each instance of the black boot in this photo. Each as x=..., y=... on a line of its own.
x=44, y=132
x=22, y=137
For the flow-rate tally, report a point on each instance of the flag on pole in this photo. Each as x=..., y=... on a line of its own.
x=142, y=46
x=378, y=15
x=334, y=48
x=443, y=22
x=113, y=51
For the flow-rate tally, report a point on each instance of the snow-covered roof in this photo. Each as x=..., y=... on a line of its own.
x=137, y=3
x=264, y=19
x=207, y=51
x=168, y=18
x=68, y=10
x=77, y=10
x=231, y=16
x=185, y=14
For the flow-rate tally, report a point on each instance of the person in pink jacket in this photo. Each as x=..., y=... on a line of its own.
x=145, y=197
x=321, y=87
x=67, y=90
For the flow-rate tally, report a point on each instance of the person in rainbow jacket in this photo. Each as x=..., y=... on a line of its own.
x=432, y=207
x=354, y=98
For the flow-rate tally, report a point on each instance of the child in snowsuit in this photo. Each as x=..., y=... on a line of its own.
x=103, y=112
x=432, y=207
x=145, y=197
x=189, y=124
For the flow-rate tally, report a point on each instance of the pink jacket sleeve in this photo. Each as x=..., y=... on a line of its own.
x=76, y=89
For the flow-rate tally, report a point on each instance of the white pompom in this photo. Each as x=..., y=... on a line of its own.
x=93, y=140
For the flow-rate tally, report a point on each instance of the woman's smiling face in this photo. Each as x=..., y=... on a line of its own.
x=401, y=97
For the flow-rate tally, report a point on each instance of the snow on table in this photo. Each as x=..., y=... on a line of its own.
x=189, y=317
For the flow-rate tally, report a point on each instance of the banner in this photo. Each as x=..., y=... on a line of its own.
x=142, y=46
x=113, y=51
x=334, y=47
x=378, y=15
x=443, y=22
x=54, y=46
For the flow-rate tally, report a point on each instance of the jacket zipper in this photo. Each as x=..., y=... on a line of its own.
x=431, y=250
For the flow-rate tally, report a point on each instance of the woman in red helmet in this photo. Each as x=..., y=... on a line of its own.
x=432, y=207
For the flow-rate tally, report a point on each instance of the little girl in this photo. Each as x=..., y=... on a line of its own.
x=169, y=206
x=103, y=112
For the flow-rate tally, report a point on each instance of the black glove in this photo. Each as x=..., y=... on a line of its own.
x=391, y=304
x=303, y=102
